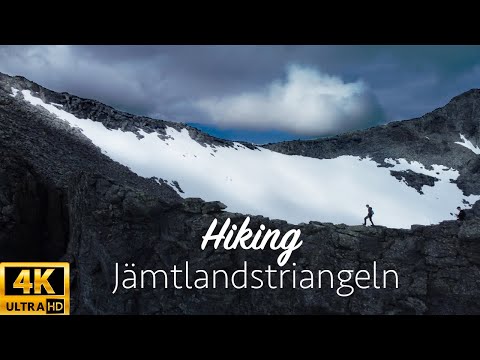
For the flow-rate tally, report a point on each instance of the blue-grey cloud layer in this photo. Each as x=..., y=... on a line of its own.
x=202, y=84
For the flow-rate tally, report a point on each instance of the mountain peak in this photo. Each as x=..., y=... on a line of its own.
x=466, y=101
x=475, y=92
x=434, y=138
x=107, y=115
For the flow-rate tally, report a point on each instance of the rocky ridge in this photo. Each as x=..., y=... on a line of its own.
x=430, y=139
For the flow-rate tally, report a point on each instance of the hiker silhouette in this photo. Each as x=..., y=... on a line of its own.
x=369, y=216
x=461, y=214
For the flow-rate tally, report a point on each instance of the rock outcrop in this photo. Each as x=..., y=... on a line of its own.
x=413, y=179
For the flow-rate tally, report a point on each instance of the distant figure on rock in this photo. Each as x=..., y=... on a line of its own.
x=461, y=214
x=369, y=216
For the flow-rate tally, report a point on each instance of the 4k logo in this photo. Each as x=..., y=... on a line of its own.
x=34, y=288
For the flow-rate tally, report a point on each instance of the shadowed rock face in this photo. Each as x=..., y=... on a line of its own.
x=33, y=214
x=62, y=199
x=438, y=266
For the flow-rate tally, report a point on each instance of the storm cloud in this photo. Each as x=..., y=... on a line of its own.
x=291, y=87
x=308, y=102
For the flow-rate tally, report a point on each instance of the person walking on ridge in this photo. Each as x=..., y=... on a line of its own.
x=369, y=216
x=461, y=214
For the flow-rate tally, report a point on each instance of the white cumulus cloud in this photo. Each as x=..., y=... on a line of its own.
x=307, y=102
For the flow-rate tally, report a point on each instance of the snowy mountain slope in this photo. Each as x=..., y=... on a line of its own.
x=259, y=181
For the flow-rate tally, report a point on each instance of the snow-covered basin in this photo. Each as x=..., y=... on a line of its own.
x=263, y=182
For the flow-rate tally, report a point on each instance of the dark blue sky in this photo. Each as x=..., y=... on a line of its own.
x=256, y=137
x=257, y=93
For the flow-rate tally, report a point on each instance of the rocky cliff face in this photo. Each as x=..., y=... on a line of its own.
x=61, y=198
x=438, y=266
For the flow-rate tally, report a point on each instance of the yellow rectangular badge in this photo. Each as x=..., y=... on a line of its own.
x=34, y=288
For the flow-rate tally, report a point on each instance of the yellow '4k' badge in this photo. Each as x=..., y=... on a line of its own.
x=34, y=288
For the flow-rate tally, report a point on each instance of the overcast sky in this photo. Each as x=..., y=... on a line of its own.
x=257, y=93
